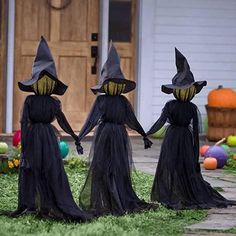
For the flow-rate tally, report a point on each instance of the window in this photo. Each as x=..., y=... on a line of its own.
x=120, y=20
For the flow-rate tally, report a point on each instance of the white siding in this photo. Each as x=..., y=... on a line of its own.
x=205, y=32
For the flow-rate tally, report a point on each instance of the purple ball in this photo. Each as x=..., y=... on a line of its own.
x=219, y=154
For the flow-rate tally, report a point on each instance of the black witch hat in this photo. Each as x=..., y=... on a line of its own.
x=111, y=71
x=184, y=77
x=43, y=65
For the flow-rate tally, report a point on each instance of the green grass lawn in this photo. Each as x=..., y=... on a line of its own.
x=160, y=222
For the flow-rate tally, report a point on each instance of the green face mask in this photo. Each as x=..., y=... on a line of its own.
x=113, y=88
x=44, y=86
x=185, y=94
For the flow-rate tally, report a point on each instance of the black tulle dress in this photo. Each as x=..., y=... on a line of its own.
x=108, y=188
x=178, y=181
x=43, y=184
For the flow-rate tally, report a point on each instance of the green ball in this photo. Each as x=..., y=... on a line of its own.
x=226, y=147
x=160, y=133
x=3, y=148
x=64, y=149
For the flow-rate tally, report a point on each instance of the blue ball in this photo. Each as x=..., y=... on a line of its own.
x=64, y=149
x=219, y=154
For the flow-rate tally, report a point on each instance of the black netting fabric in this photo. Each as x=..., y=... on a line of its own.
x=43, y=184
x=108, y=187
x=178, y=181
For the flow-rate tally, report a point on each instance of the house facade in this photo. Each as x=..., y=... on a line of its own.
x=145, y=33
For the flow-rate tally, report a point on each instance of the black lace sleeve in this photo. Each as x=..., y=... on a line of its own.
x=131, y=119
x=160, y=122
x=92, y=120
x=133, y=124
x=25, y=121
x=196, y=136
x=62, y=121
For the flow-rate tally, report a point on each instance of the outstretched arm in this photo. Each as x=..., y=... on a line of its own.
x=133, y=123
x=64, y=124
x=160, y=122
x=24, y=121
x=196, y=138
x=92, y=120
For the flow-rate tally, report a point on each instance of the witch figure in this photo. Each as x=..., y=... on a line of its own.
x=108, y=187
x=43, y=185
x=178, y=181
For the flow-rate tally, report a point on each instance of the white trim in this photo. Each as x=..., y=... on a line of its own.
x=10, y=65
x=104, y=27
x=145, y=61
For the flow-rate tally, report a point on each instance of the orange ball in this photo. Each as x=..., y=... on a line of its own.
x=203, y=149
x=210, y=163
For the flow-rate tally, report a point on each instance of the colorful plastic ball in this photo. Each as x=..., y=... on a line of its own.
x=219, y=154
x=231, y=140
x=226, y=147
x=210, y=163
x=64, y=149
x=203, y=149
x=3, y=148
x=16, y=138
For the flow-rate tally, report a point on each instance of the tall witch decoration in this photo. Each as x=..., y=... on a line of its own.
x=108, y=188
x=43, y=185
x=178, y=181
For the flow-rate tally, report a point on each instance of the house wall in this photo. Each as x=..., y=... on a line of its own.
x=205, y=32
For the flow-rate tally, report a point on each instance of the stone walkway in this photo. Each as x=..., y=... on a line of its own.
x=218, y=220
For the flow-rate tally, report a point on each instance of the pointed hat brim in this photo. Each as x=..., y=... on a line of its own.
x=168, y=88
x=26, y=85
x=43, y=64
x=129, y=85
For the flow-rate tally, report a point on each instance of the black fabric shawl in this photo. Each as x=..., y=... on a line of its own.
x=108, y=187
x=178, y=181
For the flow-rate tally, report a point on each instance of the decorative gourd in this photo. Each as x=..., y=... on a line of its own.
x=210, y=163
x=219, y=154
x=222, y=97
x=203, y=149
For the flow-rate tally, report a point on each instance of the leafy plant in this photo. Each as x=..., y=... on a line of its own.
x=79, y=163
x=12, y=162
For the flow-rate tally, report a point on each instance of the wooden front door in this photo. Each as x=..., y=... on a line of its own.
x=3, y=15
x=69, y=35
x=122, y=25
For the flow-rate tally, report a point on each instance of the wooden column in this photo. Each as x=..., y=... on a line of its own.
x=3, y=16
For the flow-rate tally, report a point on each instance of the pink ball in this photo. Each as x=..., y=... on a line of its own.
x=16, y=138
x=203, y=150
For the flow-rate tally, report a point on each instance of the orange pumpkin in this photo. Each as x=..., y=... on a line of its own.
x=222, y=97
x=210, y=163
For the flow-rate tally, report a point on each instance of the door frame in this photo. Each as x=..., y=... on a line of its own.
x=10, y=66
x=144, y=64
x=3, y=22
x=103, y=42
